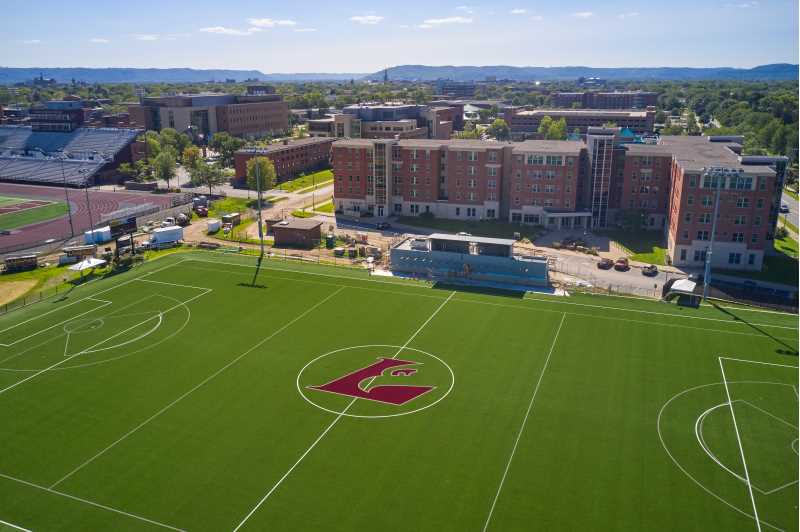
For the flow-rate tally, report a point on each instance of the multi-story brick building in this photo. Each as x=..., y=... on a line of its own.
x=387, y=121
x=259, y=112
x=290, y=157
x=605, y=100
x=595, y=183
x=524, y=122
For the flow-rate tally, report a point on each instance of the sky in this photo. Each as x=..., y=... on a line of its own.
x=361, y=36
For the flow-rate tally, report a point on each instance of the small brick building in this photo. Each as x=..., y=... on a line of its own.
x=297, y=232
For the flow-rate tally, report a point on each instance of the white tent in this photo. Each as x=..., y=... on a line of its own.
x=91, y=262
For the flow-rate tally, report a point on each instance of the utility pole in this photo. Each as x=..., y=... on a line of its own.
x=710, y=249
x=260, y=228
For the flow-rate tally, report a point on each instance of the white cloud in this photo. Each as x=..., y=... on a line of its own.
x=145, y=37
x=628, y=15
x=176, y=36
x=99, y=40
x=537, y=18
x=366, y=19
x=438, y=22
x=270, y=23
x=583, y=14
x=744, y=5
x=305, y=30
x=518, y=11
x=32, y=41
x=222, y=30
x=466, y=9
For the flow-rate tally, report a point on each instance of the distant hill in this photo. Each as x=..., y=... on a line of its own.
x=155, y=75
x=774, y=72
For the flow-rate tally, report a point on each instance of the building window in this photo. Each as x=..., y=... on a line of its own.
x=516, y=217
x=491, y=171
x=471, y=212
x=492, y=183
x=398, y=207
x=683, y=254
x=535, y=159
x=734, y=258
x=688, y=217
x=760, y=203
x=700, y=255
x=472, y=156
x=754, y=238
x=743, y=202
x=690, y=200
x=458, y=211
x=702, y=235
x=757, y=220
x=705, y=218
x=751, y=259
x=492, y=156
x=740, y=220
x=737, y=237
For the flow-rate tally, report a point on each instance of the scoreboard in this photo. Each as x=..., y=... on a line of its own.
x=122, y=227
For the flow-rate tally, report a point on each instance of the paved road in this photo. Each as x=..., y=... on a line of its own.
x=794, y=210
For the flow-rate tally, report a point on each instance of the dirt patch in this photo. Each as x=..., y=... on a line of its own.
x=11, y=290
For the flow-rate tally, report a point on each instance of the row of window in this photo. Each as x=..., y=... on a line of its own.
x=733, y=258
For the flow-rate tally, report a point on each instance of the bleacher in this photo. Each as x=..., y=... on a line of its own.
x=53, y=157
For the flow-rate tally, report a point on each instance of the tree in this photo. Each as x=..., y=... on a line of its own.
x=553, y=129
x=128, y=170
x=499, y=129
x=226, y=145
x=266, y=173
x=207, y=175
x=164, y=166
x=191, y=156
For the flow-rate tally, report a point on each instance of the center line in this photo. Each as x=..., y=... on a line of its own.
x=335, y=421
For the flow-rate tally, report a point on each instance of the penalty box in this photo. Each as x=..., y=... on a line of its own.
x=138, y=300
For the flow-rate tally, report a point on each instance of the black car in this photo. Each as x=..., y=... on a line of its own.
x=383, y=225
x=650, y=271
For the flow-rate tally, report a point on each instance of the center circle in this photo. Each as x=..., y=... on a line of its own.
x=375, y=381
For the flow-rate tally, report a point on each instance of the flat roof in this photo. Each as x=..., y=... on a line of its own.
x=294, y=143
x=298, y=223
x=610, y=113
x=695, y=153
x=475, y=239
x=549, y=146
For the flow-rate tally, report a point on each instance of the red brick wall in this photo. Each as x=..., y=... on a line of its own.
x=351, y=166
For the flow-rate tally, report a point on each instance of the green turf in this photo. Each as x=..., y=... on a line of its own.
x=13, y=220
x=644, y=246
x=316, y=179
x=178, y=402
x=325, y=207
x=10, y=200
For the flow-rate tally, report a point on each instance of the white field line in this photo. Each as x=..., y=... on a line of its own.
x=15, y=527
x=759, y=362
x=92, y=297
x=770, y=414
x=40, y=331
x=521, y=307
x=333, y=423
x=160, y=314
x=651, y=312
x=522, y=426
x=114, y=313
x=173, y=284
x=195, y=388
x=92, y=503
x=741, y=449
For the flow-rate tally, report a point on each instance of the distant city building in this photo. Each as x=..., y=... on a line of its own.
x=258, y=112
x=455, y=89
x=60, y=115
x=601, y=181
x=527, y=122
x=290, y=157
x=605, y=100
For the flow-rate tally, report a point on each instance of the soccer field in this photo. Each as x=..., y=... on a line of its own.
x=183, y=395
x=19, y=212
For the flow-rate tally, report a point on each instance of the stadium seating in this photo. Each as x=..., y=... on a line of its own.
x=35, y=156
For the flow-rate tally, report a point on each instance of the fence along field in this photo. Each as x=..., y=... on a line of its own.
x=182, y=395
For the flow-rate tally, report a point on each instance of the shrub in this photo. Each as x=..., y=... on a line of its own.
x=781, y=233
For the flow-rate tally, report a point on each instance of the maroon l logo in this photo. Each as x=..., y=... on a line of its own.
x=395, y=394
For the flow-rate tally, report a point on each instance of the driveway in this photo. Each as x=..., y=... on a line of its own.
x=792, y=215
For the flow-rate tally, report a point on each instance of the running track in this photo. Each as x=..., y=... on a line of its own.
x=101, y=201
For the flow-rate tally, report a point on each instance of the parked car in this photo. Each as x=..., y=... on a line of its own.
x=650, y=270
x=605, y=264
x=383, y=225
x=784, y=208
x=622, y=264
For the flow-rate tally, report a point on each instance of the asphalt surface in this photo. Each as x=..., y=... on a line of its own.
x=792, y=216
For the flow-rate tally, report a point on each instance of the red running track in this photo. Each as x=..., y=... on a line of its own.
x=102, y=202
